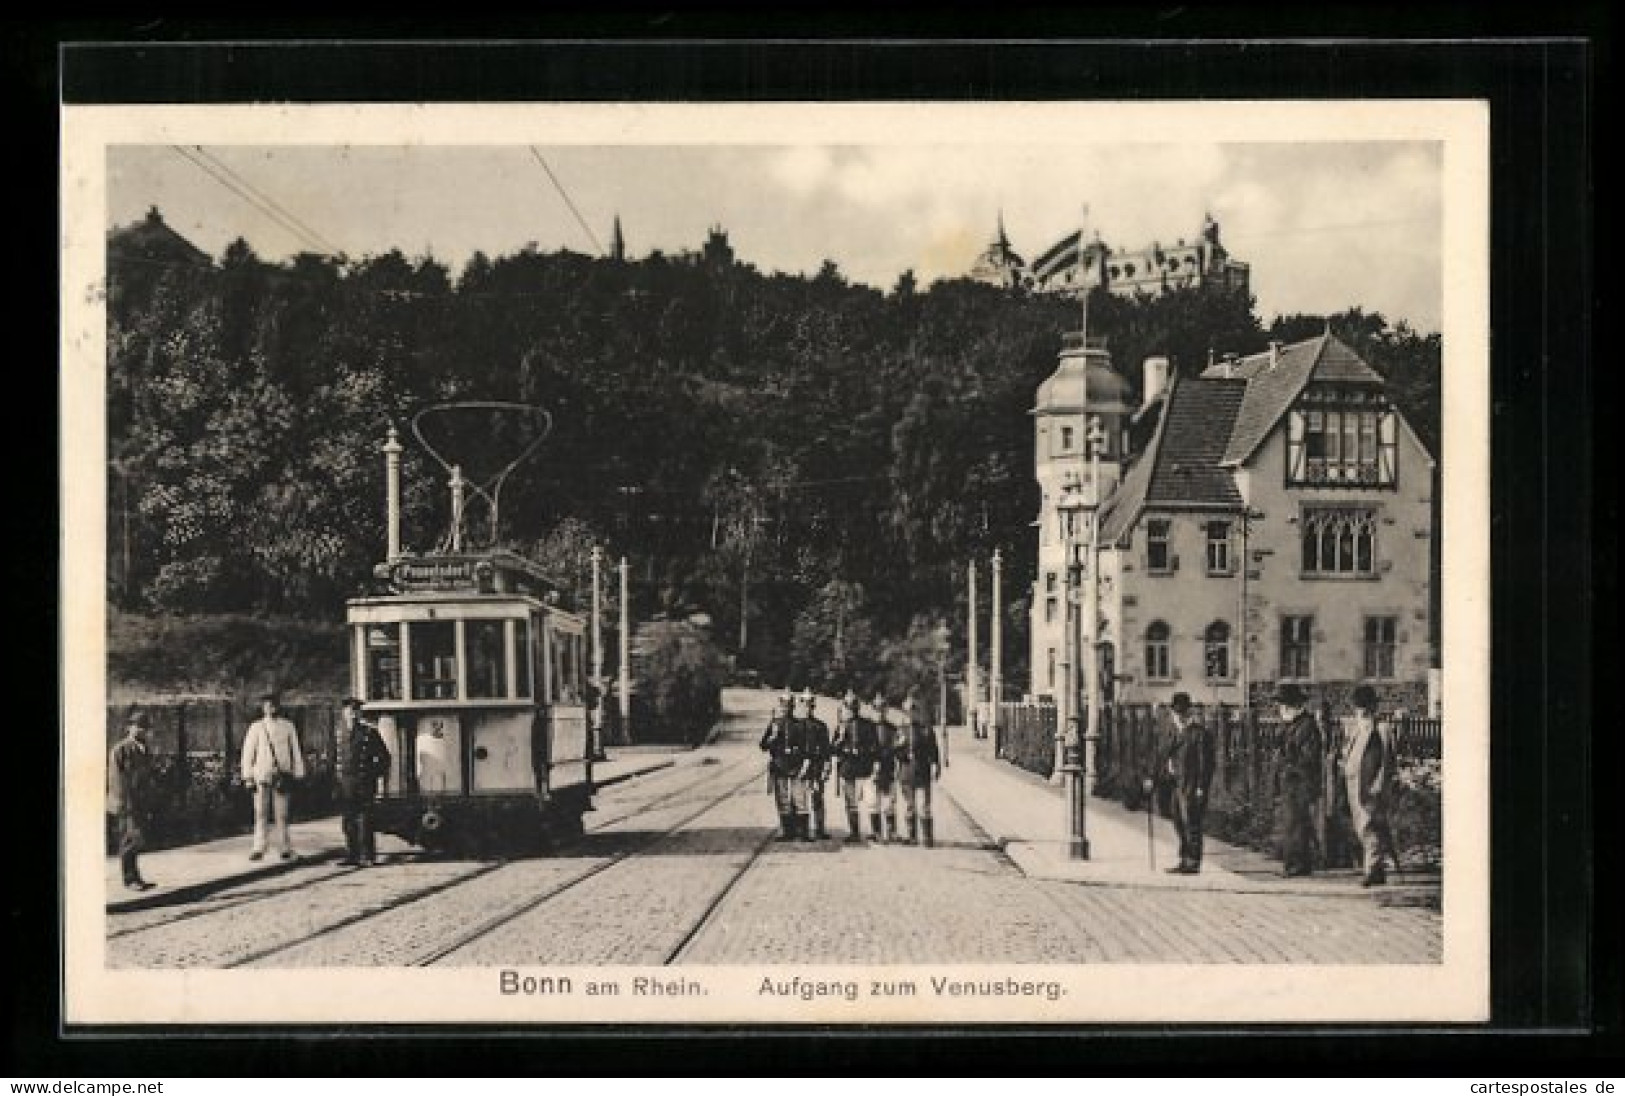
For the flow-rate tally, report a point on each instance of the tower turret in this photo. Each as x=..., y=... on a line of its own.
x=1083, y=392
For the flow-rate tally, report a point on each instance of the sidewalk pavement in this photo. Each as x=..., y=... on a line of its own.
x=191, y=871
x=1026, y=816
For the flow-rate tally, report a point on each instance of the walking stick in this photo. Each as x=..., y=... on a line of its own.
x=1150, y=846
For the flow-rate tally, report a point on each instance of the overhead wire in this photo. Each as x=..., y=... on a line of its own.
x=582, y=221
x=326, y=244
x=292, y=226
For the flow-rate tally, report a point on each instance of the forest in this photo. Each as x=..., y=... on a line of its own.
x=805, y=463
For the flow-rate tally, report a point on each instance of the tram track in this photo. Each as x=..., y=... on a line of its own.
x=215, y=908
x=709, y=913
x=508, y=916
x=705, y=787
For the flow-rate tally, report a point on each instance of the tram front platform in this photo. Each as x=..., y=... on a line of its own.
x=189, y=872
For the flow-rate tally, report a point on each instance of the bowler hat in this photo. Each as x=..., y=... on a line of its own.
x=1291, y=694
x=1365, y=697
x=352, y=702
x=1181, y=702
x=139, y=718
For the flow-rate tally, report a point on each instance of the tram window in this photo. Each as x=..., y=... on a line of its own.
x=560, y=689
x=383, y=661
x=487, y=665
x=570, y=669
x=434, y=660
x=521, y=657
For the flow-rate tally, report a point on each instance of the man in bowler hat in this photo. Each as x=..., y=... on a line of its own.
x=1188, y=768
x=1301, y=752
x=129, y=795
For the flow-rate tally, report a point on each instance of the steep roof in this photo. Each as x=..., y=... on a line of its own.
x=1180, y=469
x=152, y=239
x=1274, y=379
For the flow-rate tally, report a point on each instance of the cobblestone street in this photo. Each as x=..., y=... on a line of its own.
x=680, y=867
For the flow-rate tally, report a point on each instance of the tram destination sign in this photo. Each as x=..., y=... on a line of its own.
x=439, y=574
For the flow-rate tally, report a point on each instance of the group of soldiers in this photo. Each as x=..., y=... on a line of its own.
x=883, y=757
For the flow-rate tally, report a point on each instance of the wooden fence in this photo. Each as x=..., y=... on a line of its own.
x=196, y=751
x=1244, y=798
x=1024, y=735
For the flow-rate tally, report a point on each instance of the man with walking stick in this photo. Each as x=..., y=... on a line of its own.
x=1188, y=766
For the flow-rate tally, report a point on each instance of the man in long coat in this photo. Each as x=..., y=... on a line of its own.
x=1366, y=772
x=1302, y=751
x=1188, y=768
x=360, y=759
x=129, y=796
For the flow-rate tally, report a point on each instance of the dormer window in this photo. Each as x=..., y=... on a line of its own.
x=1342, y=440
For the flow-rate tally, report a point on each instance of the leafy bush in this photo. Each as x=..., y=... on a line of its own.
x=678, y=682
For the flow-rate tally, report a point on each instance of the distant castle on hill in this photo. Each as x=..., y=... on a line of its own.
x=1153, y=270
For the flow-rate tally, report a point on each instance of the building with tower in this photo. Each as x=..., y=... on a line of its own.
x=1275, y=525
x=1000, y=265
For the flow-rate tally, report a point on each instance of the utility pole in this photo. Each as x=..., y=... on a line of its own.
x=392, y=492
x=973, y=684
x=598, y=651
x=996, y=642
x=626, y=655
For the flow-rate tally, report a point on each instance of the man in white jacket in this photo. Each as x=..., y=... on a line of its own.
x=271, y=763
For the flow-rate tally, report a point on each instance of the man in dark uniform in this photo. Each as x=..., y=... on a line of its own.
x=786, y=756
x=856, y=749
x=815, y=770
x=1188, y=768
x=883, y=801
x=919, y=762
x=360, y=759
x=1301, y=755
x=129, y=795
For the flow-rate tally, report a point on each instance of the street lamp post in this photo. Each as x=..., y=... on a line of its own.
x=1096, y=437
x=1067, y=732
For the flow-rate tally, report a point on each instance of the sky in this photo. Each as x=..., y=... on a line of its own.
x=1324, y=225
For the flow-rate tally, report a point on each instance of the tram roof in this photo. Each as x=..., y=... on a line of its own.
x=494, y=573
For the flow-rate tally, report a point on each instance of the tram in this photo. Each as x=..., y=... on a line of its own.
x=474, y=673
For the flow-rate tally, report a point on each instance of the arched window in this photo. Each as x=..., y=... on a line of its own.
x=1158, y=664
x=1216, y=651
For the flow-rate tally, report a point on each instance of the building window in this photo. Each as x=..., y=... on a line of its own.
x=1158, y=664
x=1379, y=646
x=1297, y=646
x=1049, y=610
x=1049, y=582
x=1066, y=439
x=1157, y=555
x=1216, y=651
x=1339, y=541
x=1050, y=680
x=1218, y=548
x=1342, y=446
